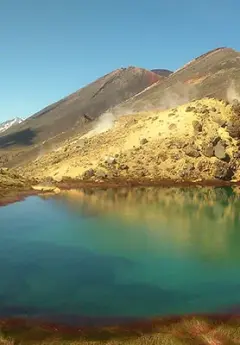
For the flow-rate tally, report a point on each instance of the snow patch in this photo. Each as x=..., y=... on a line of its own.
x=7, y=124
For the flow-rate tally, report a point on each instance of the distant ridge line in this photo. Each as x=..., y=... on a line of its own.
x=210, y=52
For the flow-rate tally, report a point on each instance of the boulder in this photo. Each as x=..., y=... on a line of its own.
x=172, y=126
x=236, y=154
x=143, y=141
x=187, y=170
x=208, y=150
x=223, y=171
x=123, y=167
x=192, y=151
x=197, y=126
x=180, y=144
x=101, y=174
x=233, y=128
x=88, y=173
x=4, y=171
x=203, y=165
x=110, y=160
x=204, y=110
x=46, y=189
x=219, y=151
x=217, y=118
x=189, y=109
x=214, y=140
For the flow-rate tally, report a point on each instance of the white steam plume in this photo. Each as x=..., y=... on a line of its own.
x=179, y=94
x=232, y=93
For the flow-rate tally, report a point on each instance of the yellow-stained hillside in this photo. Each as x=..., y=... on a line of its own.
x=195, y=141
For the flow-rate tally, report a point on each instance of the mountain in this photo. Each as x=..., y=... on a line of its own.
x=162, y=72
x=213, y=74
x=124, y=91
x=8, y=124
x=75, y=113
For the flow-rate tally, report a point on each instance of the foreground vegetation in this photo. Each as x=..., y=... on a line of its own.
x=179, y=331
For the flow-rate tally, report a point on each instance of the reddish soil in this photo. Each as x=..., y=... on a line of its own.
x=40, y=330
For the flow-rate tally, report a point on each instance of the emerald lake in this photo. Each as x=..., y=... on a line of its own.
x=121, y=253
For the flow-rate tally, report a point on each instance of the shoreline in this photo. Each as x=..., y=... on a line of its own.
x=38, y=329
x=13, y=196
x=16, y=195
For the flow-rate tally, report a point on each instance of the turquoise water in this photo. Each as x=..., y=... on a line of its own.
x=121, y=253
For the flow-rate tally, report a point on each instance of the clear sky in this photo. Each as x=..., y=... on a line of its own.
x=50, y=48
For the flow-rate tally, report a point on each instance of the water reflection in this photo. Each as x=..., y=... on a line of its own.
x=121, y=253
x=205, y=220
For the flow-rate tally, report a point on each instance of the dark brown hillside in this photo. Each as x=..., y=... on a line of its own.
x=79, y=108
x=210, y=74
x=71, y=115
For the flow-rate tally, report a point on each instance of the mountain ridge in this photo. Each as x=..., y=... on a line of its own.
x=209, y=75
x=74, y=114
x=127, y=82
x=123, y=91
x=4, y=126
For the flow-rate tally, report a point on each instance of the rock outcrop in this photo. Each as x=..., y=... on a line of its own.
x=181, y=144
x=11, y=181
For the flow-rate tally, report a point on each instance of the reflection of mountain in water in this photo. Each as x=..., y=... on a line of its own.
x=206, y=219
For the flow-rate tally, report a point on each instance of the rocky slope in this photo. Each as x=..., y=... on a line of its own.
x=197, y=141
x=73, y=114
x=214, y=74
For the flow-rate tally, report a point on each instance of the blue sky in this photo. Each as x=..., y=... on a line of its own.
x=50, y=48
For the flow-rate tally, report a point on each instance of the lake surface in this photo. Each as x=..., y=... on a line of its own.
x=123, y=253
